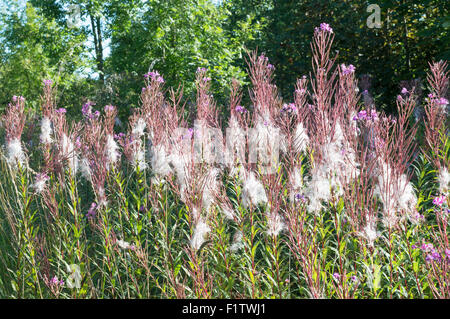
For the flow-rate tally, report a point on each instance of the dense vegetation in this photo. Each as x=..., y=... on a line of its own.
x=184, y=163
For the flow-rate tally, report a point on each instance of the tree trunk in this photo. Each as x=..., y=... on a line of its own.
x=98, y=46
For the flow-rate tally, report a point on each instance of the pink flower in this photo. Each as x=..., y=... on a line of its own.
x=240, y=109
x=347, y=69
x=289, y=107
x=442, y=101
x=326, y=27
x=404, y=91
x=439, y=200
x=154, y=76
x=109, y=108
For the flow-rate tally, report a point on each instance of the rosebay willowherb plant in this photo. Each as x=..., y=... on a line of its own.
x=323, y=196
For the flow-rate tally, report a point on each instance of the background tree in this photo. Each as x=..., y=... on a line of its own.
x=411, y=35
x=35, y=48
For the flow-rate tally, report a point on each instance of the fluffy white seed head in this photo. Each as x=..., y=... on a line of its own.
x=46, y=131
x=160, y=161
x=39, y=184
x=370, y=233
x=68, y=152
x=200, y=232
x=112, y=151
x=395, y=192
x=237, y=241
x=138, y=155
x=15, y=154
x=253, y=192
x=296, y=181
x=274, y=224
x=124, y=245
x=85, y=168
x=444, y=180
x=138, y=128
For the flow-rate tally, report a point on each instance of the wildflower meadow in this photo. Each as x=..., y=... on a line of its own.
x=324, y=195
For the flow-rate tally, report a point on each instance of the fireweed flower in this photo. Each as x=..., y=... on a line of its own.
x=428, y=248
x=109, y=108
x=154, y=76
x=324, y=27
x=61, y=111
x=439, y=200
x=346, y=70
x=88, y=113
x=434, y=256
x=56, y=282
x=336, y=276
x=201, y=70
x=404, y=91
x=48, y=82
x=289, y=108
x=86, y=109
x=240, y=109
x=190, y=133
x=300, y=197
x=92, y=211
x=442, y=101
x=366, y=116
